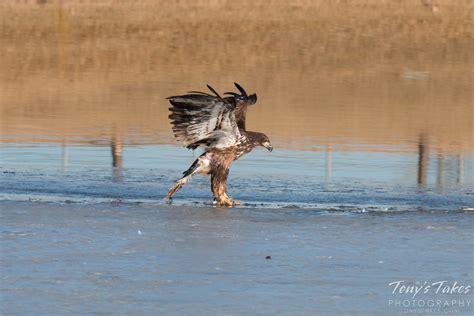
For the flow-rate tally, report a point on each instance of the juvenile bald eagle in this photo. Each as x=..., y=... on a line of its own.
x=217, y=124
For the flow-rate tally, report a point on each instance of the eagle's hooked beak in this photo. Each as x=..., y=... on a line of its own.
x=268, y=146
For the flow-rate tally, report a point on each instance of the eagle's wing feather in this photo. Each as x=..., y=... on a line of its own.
x=242, y=102
x=204, y=120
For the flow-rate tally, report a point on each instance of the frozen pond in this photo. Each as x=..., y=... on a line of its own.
x=143, y=258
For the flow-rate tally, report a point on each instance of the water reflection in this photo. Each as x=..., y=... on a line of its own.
x=327, y=79
x=116, y=146
x=452, y=172
x=446, y=171
x=65, y=157
x=328, y=165
x=460, y=168
x=422, y=163
x=441, y=175
x=432, y=5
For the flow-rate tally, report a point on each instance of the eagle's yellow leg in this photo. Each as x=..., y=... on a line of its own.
x=200, y=165
x=218, y=169
x=178, y=185
x=219, y=188
x=225, y=200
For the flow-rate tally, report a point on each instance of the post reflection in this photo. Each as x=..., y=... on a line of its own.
x=441, y=172
x=422, y=163
x=449, y=168
x=116, y=146
x=460, y=169
x=328, y=165
x=65, y=157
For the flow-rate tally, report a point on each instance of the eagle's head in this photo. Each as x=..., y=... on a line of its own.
x=260, y=139
x=266, y=143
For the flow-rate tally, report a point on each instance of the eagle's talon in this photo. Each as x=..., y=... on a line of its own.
x=226, y=202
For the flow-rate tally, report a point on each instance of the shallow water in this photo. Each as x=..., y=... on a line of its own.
x=369, y=106
x=360, y=181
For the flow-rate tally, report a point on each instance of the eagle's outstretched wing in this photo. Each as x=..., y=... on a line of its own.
x=201, y=119
x=242, y=101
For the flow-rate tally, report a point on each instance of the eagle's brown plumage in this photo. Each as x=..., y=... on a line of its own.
x=217, y=124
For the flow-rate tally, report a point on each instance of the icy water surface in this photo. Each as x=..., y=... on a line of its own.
x=353, y=180
x=317, y=233
x=129, y=258
x=85, y=231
